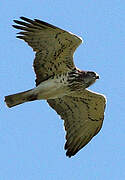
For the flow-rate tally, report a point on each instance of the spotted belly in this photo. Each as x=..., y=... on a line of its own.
x=52, y=88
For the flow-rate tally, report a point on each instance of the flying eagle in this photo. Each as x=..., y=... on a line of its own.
x=61, y=83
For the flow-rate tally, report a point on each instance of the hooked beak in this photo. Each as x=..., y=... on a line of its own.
x=97, y=77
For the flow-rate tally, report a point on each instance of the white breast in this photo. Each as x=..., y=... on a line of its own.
x=52, y=88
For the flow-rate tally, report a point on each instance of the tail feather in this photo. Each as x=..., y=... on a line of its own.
x=19, y=98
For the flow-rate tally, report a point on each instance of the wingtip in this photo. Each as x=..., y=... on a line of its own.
x=27, y=19
x=14, y=26
x=17, y=27
x=14, y=20
x=22, y=17
x=20, y=37
x=69, y=154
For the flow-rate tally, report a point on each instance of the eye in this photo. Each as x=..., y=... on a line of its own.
x=92, y=74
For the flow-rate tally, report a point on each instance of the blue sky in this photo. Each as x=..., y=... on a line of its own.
x=32, y=135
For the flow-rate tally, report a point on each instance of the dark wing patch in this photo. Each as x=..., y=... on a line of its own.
x=83, y=115
x=54, y=47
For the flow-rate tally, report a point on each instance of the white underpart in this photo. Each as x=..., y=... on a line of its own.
x=52, y=88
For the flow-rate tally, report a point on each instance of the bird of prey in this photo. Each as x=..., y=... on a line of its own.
x=61, y=83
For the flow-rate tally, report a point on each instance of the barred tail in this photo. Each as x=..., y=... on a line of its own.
x=19, y=98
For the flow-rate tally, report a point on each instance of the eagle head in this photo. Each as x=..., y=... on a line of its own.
x=89, y=77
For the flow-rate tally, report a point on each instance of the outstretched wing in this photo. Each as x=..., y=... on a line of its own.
x=54, y=47
x=83, y=115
